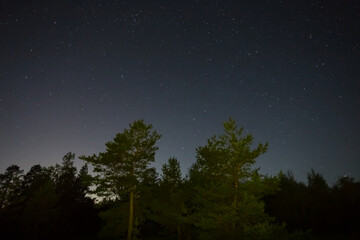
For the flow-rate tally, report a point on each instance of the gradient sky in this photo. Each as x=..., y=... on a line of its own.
x=75, y=73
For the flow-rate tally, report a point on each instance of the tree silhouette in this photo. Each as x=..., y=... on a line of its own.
x=169, y=208
x=222, y=197
x=47, y=203
x=289, y=204
x=317, y=206
x=122, y=167
x=10, y=201
x=10, y=185
x=41, y=212
x=77, y=218
x=345, y=196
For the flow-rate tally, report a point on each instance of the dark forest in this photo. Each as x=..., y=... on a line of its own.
x=118, y=195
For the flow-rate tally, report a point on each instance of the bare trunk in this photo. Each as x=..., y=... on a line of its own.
x=131, y=216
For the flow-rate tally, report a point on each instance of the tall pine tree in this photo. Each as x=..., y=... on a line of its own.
x=124, y=164
x=228, y=189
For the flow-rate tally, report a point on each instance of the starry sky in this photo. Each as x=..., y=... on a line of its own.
x=75, y=73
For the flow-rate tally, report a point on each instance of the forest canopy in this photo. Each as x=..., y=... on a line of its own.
x=222, y=196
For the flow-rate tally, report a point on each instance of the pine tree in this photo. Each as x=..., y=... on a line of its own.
x=169, y=208
x=121, y=168
x=10, y=185
x=227, y=189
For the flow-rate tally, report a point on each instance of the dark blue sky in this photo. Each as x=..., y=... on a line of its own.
x=75, y=73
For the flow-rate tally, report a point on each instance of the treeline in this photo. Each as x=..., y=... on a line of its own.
x=325, y=210
x=222, y=196
x=47, y=203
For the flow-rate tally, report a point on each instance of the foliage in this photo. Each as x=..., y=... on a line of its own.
x=169, y=208
x=222, y=197
x=228, y=190
x=316, y=206
x=10, y=185
x=124, y=165
x=47, y=203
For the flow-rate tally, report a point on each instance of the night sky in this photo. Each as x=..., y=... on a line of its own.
x=75, y=73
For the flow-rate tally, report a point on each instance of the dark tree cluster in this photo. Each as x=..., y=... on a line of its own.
x=222, y=196
x=47, y=203
x=317, y=206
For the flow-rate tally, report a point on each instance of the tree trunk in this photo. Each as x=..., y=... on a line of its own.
x=179, y=232
x=234, y=203
x=235, y=194
x=131, y=216
x=36, y=228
